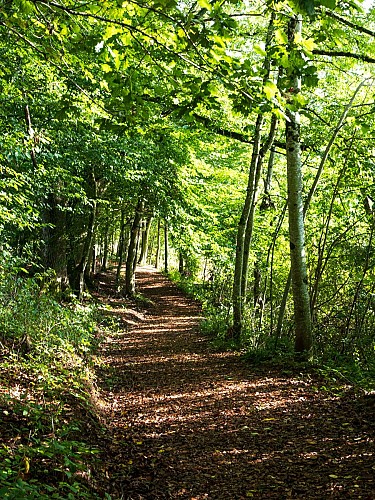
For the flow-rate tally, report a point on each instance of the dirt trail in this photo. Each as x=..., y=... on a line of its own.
x=186, y=422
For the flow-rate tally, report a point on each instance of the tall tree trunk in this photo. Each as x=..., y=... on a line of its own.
x=90, y=263
x=94, y=254
x=120, y=245
x=144, y=242
x=106, y=245
x=244, y=230
x=237, y=297
x=166, y=246
x=77, y=276
x=180, y=263
x=157, y=256
x=301, y=300
x=121, y=248
x=55, y=239
x=267, y=180
x=31, y=135
x=257, y=281
x=136, y=251
x=267, y=202
x=250, y=220
x=88, y=267
x=54, y=219
x=132, y=250
x=309, y=197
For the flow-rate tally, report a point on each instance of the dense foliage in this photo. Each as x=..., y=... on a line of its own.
x=45, y=377
x=176, y=134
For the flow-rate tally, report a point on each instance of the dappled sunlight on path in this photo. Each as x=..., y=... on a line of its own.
x=188, y=422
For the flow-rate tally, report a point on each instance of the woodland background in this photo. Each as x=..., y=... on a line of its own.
x=229, y=143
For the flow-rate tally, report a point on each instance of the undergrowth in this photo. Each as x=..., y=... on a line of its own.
x=46, y=391
x=260, y=347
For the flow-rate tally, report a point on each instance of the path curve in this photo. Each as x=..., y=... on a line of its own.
x=186, y=422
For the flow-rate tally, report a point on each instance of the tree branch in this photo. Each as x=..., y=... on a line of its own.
x=134, y=29
x=237, y=136
x=344, y=21
x=55, y=65
x=343, y=53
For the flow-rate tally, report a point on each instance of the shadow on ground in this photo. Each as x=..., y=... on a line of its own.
x=186, y=422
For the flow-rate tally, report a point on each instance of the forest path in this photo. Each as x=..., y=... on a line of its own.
x=186, y=422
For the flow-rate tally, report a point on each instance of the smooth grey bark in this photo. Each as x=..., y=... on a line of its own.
x=244, y=229
x=181, y=263
x=166, y=247
x=90, y=263
x=309, y=197
x=88, y=268
x=246, y=223
x=237, y=297
x=120, y=245
x=132, y=250
x=94, y=258
x=121, y=249
x=301, y=299
x=267, y=180
x=250, y=220
x=31, y=134
x=267, y=202
x=105, y=246
x=157, y=256
x=144, y=241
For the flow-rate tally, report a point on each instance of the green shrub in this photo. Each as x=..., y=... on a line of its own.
x=45, y=384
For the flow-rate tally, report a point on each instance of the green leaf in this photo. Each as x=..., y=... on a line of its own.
x=281, y=37
x=284, y=61
x=106, y=68
x=110, y=32
x=259, y=50
x=300, y=99
x=279, y=114
x=308, y=44
x=331, y=4
x=205, y=4
x=270, y=90
x=26, y=7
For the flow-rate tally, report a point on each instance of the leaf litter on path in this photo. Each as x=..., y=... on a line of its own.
x=188, y=422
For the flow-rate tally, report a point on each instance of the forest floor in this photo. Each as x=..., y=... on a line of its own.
x=185, y=421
